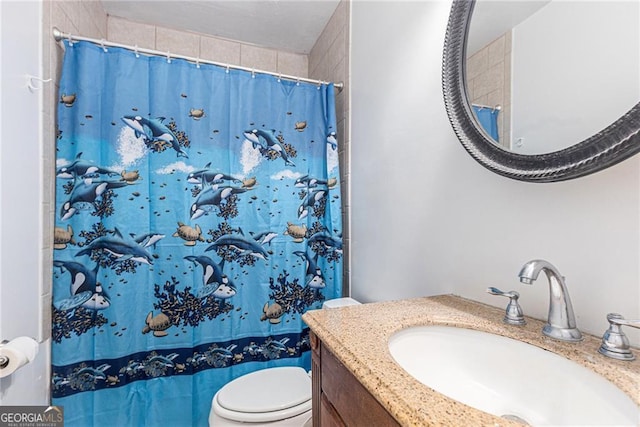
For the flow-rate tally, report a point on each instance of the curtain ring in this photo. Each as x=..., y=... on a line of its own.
x=227, y=70
x=298, y=81
x=253, y=74
x=103, y=46
x=279, y=77
x=197, y=62
x=168, y=57
x=70, y=41
x=135, y=49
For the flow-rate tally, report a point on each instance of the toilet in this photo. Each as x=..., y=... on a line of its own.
x=243, y=401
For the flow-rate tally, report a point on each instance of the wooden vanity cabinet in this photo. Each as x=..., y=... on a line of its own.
x=338, y=397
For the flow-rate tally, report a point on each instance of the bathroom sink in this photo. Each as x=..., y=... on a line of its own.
x=510, y=378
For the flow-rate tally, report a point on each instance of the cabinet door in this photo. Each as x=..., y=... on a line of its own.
x=353, y=403
x=329, y=417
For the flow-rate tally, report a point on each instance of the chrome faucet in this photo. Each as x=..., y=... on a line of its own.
x=561, y=322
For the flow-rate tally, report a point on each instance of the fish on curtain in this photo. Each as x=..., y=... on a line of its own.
x=198, y=216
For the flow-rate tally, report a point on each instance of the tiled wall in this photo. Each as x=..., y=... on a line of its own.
x=201, y=46
x=489, y=81
x=329, y=61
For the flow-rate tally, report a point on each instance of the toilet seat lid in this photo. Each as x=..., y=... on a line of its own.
x=266, y=390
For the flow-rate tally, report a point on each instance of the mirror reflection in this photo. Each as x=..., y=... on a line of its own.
x=545, y=75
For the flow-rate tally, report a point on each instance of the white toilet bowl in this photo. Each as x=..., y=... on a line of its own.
x=274, y=397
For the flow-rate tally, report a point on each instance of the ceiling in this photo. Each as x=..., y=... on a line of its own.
x=292, y=25
x=288, y=25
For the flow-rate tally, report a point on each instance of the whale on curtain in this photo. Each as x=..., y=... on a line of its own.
x=198, y=216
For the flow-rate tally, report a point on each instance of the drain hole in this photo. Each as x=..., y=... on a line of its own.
x=515, y=418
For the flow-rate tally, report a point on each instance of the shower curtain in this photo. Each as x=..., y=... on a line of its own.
x=488, y=118
x=198, y=215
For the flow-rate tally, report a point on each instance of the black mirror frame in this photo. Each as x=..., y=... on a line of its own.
x=615, y=143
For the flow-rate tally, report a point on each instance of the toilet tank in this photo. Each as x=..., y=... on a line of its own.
x=339, y=302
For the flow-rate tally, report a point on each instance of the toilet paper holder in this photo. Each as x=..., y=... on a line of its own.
x=4, y=360
x=16, y=353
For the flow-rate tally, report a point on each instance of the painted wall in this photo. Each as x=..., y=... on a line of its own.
x=21, y=289
x=427, y=219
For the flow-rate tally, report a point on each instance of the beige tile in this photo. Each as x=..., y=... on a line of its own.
x=324, y=41
x=495, y=97
x=49, y=151
x=337, y=50
x=495, y=51
x=314, y=61
x=318, y=53
x=340, y=105
x=471, y=89
x=47, y=225
x=178, y=42
x=72, y=9
x=131, y=33
x=339, y=71
x=59, y=18
x=48, y=41
x=490, y=81
x=81, y=19
x=507, y=79
x=342, y=132
x=219, y=50
x=97, y=17
x=332, y=65
x=293, y=64
x=481, y=100
x=477, y=63
x=339, y=18
x=320, y=71
x=57, y=56
x=336, y=23
x=258, y=58
x=332, y=45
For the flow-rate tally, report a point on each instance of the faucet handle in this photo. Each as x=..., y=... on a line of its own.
x=615, y=343
x=513, y=313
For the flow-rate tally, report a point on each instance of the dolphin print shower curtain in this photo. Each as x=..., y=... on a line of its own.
x=198, y=216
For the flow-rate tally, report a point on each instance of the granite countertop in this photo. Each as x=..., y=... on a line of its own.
x=358, y=336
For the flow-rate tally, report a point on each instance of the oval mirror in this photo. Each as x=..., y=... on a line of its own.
x=537, y=112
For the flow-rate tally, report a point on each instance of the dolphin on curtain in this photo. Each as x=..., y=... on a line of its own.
x=154, y=130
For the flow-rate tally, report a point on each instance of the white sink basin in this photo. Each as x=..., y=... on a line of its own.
x=510, y=378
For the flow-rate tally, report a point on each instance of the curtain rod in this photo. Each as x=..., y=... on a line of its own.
x=496, y=107
x=59, y=35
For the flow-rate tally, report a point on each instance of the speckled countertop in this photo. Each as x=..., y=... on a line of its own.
x=358, y=336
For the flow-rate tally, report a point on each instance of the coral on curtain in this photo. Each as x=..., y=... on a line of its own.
x=198, y=215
